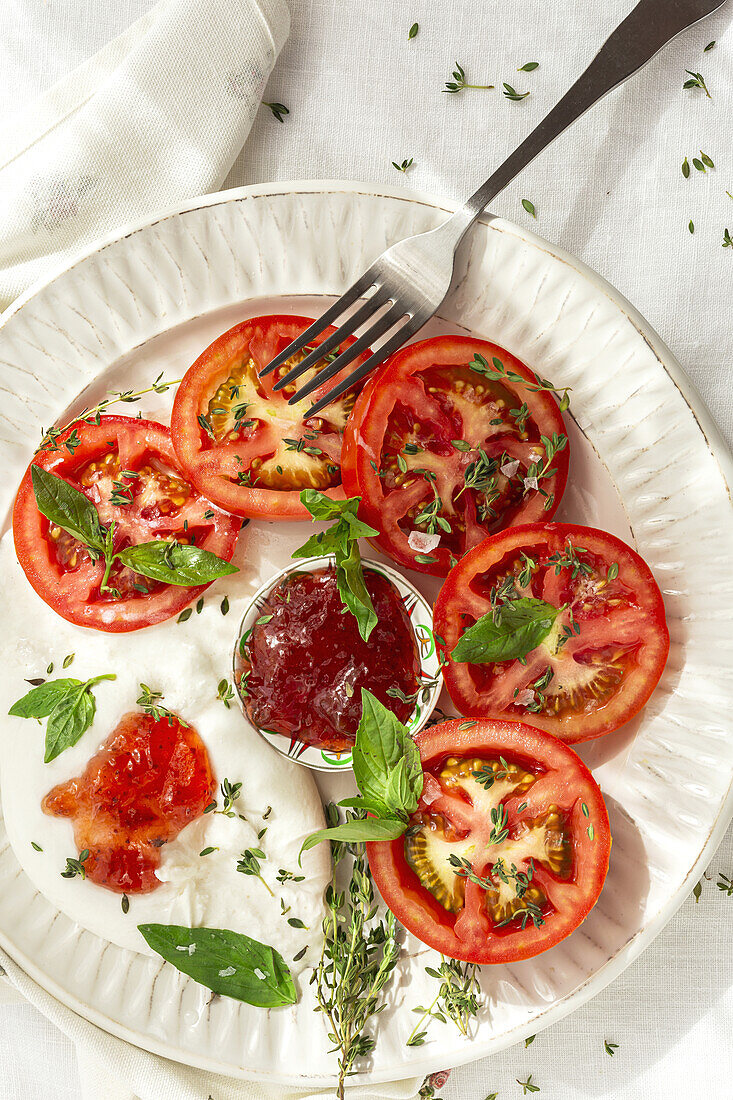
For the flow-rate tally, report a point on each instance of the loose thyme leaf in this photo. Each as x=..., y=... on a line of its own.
x=412, y=33
x=278, y=110
x=529, y=207
x=523, y=624
x=229, y=963
x=172, y=563
x=66, y=507
x=529, y=67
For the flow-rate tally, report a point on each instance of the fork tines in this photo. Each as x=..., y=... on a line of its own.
x=371, y=308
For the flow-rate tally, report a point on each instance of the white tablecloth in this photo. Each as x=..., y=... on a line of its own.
x=361, y=95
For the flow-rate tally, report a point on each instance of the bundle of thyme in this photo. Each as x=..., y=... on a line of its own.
x=357, y=959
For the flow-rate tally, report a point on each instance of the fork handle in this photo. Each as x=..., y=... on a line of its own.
x=644, y=32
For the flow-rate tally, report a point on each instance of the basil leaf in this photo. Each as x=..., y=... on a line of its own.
x=325, y=542
x=357, y=528
x=323, y=508
x=523, y=624
x=172, y=563
x=66, y=507
x=69, y=706
x=229, y=963
x=72, y=717
x=341, y=541
x=371, y=828
x=386, y=760
x=353, y=590
x=40, y=701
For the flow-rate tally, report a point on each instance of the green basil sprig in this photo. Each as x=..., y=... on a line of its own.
x=341, y=541
x=388, y=773
x=168, y=562
x=518, y=628
x=69, y=706
x=228, y=963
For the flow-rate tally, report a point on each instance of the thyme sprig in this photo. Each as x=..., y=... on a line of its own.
x=148, y=701
x=76, y=867
x=459, y=82
x=513, y=94
x=249, y=863
x=407, y=163
x=725, y=884
x=696, y=81
x=457, y=998
x=498, y=372
x=358, y=956
x=50, y=436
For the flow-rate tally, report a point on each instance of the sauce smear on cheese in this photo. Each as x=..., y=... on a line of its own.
x=148, y=781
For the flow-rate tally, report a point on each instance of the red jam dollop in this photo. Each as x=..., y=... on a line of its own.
x=304, y=664
x=147, y=782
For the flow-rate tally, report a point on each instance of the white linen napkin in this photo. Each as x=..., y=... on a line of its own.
x=159, y=115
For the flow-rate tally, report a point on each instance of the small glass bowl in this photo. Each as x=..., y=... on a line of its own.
x=421, y=618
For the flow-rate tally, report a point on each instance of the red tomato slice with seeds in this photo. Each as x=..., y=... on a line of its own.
x=605, y=651
x=443, y=452
x=508, y=850
x=240, y=442
x=128, y=469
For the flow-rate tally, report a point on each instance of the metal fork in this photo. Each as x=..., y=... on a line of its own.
x=412, y=278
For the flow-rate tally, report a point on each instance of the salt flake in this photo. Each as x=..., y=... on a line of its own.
x=422, y=543
x=524, y=697
x=260, y=974
x=227, y=973
x=509, y=469
x=530, y=482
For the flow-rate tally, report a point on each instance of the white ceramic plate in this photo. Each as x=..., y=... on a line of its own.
x=647, y=464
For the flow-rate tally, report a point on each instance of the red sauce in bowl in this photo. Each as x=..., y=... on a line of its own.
x=147, y=782
x=302, y=668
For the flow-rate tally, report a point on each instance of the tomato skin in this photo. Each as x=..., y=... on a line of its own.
x=365, y=430
x=262, y=338
x=422, y=915
x=62, y=590
x=634, y=690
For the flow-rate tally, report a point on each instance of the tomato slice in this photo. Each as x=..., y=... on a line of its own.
x=605, y=652
x=128, y=469
x=508, y=850
x=443, y=454
x=240, y=442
